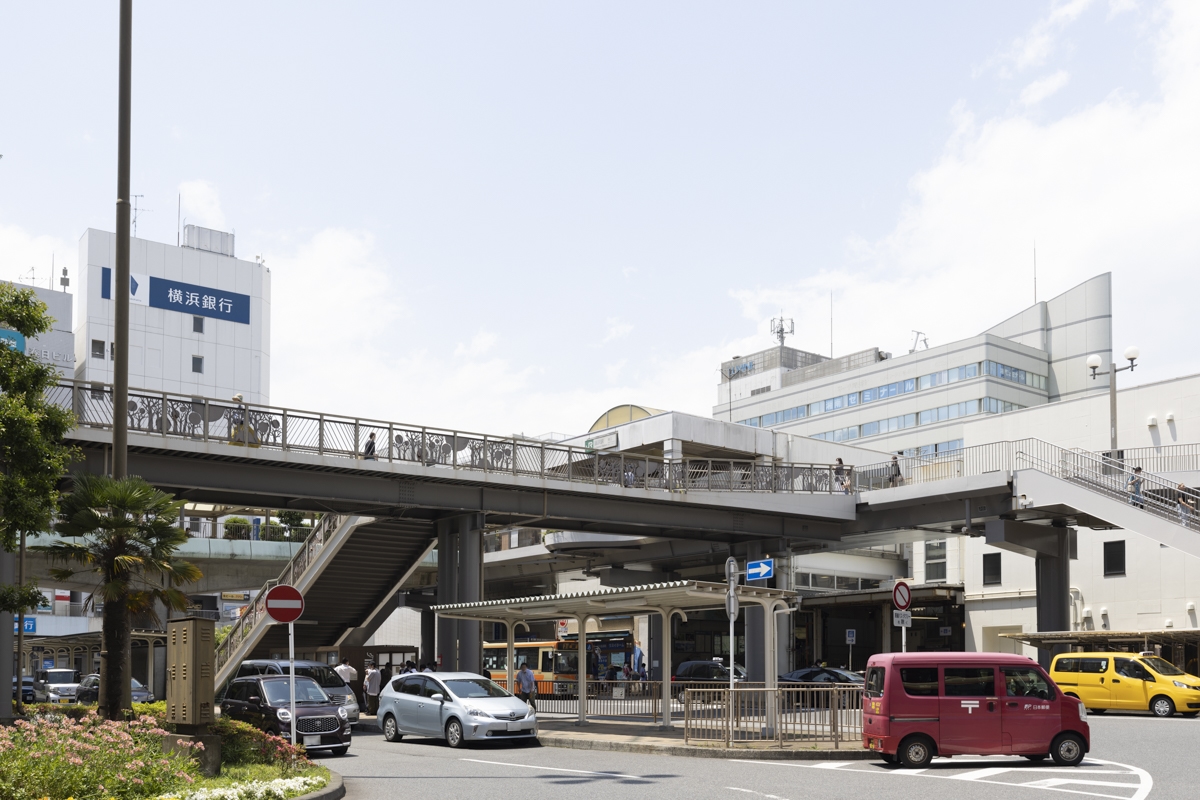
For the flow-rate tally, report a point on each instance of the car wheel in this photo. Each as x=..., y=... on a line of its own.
x=391, y=732
x=340, y=751
x=1162, y=706
x=915, y=752
x=1067, y=749
x=1038, y=757
x=454, y=733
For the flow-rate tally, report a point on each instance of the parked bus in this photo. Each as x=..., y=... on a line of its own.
x=538, y=655
x=605, y=650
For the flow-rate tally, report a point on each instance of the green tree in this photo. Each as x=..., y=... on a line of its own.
x=125, y=534
x=33, y=456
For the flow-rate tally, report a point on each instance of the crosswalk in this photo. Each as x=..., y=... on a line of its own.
x=1093, y=778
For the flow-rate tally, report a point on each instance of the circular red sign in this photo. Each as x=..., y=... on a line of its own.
x=901, y=595
x=284, y=603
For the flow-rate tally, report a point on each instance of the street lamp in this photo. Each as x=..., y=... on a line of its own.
x=1093, y=362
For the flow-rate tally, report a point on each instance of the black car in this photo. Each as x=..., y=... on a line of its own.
x=816, y=678
x=88, y=690
x=264, y=702
x=30, y=691
x=703, y=675
x=338, y=690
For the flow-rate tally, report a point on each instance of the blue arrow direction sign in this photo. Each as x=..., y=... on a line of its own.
x=760, y=570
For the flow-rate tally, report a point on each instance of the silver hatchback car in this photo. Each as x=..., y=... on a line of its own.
x=456, y=706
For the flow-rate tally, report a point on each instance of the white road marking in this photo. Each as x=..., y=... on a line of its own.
x=757, y=794
x=553, y=769
x=1141, y=789
x=832, y=764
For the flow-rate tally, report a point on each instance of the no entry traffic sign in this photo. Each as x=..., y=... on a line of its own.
x=284, y=603
x=901, y=596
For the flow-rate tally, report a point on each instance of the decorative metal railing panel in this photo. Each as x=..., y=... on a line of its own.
x=267, y=427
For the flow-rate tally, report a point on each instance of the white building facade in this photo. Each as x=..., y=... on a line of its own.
x=57, y=346
x=199, y=318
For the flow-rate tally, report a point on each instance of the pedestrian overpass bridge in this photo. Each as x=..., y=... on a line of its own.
x=388, y=504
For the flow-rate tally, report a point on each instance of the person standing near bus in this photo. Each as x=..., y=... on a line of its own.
x=527, y=686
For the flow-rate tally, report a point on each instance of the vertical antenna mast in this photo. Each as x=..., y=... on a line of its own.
x=781, y=327
x=178, y=211
x=136, y=197
x=831, y=323
x=1035, y=271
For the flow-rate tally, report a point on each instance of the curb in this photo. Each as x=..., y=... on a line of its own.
x=574, y=743
x=549, y=739
x=334, y=790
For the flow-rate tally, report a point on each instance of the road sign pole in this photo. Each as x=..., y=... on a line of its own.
x=903, y=640
x=292, y=675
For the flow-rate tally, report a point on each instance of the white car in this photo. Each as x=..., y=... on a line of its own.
x=59, y=684
x=455, y=706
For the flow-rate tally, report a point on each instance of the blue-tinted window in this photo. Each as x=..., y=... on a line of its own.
x=767, y=419
x=815, y=408
x=870, y=428
x=868, y=395
x=852, y=399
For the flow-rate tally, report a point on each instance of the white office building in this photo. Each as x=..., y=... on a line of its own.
x=56, y=346
x=199, y=318
x=1023, y=378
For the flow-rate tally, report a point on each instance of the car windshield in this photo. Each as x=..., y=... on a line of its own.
x=467, y=688
x=846, y=676
x=323, y=675
x=136, y=683
x=1162, y=666
x=307, y=691
x=62, y=676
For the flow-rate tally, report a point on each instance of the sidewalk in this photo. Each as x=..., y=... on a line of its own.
x=640, y=737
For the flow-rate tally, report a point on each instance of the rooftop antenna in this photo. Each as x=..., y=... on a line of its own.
x=1035, y=272
x=919, y=339
x=781, y=327
x=136, y=212
x=178, y=212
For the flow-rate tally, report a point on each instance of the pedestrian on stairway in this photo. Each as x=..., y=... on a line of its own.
x=371, y=688
x=1134, y=485
x=1185, y=505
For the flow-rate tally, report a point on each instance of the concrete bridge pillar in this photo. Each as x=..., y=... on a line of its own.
x=470, y=590
x=447, y=592
x=428, y=636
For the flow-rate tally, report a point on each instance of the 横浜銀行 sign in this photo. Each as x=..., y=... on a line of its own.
x=186, y=298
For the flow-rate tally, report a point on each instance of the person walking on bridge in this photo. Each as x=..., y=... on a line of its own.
x=369, y=449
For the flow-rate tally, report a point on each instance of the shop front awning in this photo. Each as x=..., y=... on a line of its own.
x=1104, y=640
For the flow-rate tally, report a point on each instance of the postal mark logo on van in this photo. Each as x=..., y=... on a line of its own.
x=1037, y=707
x=970, y=705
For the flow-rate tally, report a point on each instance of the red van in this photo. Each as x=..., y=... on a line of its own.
x=920, y=705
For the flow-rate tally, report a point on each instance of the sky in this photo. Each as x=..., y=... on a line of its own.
x=509, y=217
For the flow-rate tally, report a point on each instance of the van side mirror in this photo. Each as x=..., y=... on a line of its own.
x=441, y=698
x=254, y=701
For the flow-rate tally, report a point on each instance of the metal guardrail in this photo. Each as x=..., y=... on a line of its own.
x=615, y=698
x=244, y=531
x=1098, y=472
x=1168, y=458
x=256, y=611
x=807, y=714
x=268, y=427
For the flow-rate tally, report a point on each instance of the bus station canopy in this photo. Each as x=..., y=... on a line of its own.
x=678, y=596
x=664, y=599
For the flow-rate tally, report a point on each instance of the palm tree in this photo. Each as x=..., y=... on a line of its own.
x=125, y=534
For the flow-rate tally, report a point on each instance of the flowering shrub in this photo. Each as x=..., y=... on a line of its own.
x=255, y=790
x=88, y=759
x=242, y=743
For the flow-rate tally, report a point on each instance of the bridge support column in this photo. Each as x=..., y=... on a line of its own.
x=756, y=640
x=447, y=592
x=470, y=590
x=428, y=636
x=1054, y=592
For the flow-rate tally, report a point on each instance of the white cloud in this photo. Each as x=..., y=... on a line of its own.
x=201, y=204
x=1042, y=88
x=480, y=344
x=616, y=328
x=1032, y=49
x=1108, y=187
x=20, y=251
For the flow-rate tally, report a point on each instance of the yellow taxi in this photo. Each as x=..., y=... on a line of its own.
x=1128, y=682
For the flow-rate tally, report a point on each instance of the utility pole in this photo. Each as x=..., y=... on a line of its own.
x=120, y=464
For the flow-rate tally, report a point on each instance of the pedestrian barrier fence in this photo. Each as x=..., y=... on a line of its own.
x=613, y=699
x=269, y=427
x=807, y=714
x=256, y=611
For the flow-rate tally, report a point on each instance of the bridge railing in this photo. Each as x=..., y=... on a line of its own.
x=268, y=427
x=256, y=611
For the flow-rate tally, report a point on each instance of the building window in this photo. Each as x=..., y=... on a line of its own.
x=112, y=351
x=98, y=348
x=991, y=569
x=1114, y=558
x=197, y=324
x=198, y=364
x=935, y=561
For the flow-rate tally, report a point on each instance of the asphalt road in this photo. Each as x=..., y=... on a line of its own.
x=1132, y=758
